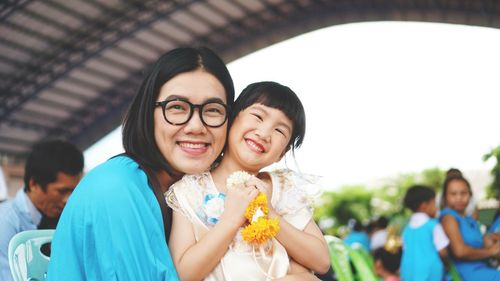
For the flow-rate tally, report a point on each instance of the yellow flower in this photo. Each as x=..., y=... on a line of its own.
x=259, y=201
x=260, y=231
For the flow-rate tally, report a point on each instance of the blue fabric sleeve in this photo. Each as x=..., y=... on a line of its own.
x=111, y=229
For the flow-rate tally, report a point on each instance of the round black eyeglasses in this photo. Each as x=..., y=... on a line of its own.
x=179, y=112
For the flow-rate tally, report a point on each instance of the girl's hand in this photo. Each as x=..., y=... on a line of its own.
x=265, y=188
x=236, y=202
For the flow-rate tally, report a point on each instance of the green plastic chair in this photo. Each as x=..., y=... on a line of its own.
x=455, y=276
x=361, y=262
x=339, y=258
x=26, y=261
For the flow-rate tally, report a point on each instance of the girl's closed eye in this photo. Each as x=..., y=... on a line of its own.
x=281, y=131
x=258, y=116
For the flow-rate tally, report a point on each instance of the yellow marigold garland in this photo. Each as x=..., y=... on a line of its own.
x=259, y=227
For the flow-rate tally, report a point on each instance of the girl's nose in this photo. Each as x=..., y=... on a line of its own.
x=263, y=132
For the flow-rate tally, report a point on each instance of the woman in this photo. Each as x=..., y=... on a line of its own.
x=116, y=223
x=468, y=247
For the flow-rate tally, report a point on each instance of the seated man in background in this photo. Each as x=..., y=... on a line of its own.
x=52, y=171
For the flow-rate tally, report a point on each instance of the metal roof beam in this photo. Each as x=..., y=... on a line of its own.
x=89, y=49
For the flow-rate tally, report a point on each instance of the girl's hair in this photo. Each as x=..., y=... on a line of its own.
x=138, y=126
x=447, y=182
x=277, y=96
x=390, y=260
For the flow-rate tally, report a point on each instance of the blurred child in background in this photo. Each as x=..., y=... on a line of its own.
x=387, y=263
x=424, y=241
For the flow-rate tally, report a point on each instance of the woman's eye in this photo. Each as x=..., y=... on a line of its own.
x=281, y=132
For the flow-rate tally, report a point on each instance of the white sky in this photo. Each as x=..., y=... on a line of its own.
x=381, y=98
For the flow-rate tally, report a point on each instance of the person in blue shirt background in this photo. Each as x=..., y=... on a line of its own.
x=424, y=241
x=469, y=249
x=358, y=237
x=52, y=171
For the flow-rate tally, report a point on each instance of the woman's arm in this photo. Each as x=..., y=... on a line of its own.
x=459, y=249
x=307, y=247
x=298, y=273
x=195, y=260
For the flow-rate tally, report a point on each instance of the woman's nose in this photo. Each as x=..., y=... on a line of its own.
x=195, y=125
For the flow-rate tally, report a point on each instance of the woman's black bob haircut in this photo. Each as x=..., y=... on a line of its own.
x=277, y=96
x=138, y=125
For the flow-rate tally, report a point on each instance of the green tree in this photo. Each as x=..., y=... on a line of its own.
x=493, y=190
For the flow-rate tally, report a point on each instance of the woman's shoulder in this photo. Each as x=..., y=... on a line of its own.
x=448, y=212
x=115, y=173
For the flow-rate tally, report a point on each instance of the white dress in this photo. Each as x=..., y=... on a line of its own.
x=197, y=198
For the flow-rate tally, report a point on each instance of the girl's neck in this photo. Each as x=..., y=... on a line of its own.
x=224, y=170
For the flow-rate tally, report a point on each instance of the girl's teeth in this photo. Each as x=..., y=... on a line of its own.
x=252, y=144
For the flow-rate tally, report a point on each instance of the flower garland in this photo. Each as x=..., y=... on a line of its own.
x=259, y=228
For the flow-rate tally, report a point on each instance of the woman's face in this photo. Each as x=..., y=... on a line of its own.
x=192, y=147
x=457, y=195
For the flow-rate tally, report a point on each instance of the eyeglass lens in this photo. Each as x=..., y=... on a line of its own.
x=179, y=112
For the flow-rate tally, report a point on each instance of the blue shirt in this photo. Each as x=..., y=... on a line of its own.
x=358, y=237
x=17, y=215
x=420, y=260
x=471, y=270
x=111, y=229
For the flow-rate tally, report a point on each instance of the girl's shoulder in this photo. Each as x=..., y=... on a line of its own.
x=188, y=192
x=285, y=179
x=199, y=181
x=293, y=191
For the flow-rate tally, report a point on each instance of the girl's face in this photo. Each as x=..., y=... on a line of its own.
x=192, y=147
x=258, y=137
x=457, y=195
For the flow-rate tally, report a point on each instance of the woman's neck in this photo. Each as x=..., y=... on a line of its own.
x=165, y=180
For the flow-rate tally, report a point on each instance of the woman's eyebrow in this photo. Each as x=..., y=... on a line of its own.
x=214, y=100
x=175, y=97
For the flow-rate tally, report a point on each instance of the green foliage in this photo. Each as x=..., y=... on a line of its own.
x=363, y=203
x=493, y=190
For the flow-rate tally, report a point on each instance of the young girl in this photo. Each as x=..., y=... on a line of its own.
x=468, y=247
x=267, y=120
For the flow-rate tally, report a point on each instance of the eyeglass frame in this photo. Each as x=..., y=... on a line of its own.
x=192, y=107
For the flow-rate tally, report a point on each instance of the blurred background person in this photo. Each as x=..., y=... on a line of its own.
x=52, y=171
x=358, y=237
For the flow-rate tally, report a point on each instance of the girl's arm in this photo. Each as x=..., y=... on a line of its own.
x=459, y=249
x=307, y=247
x=195, y=260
